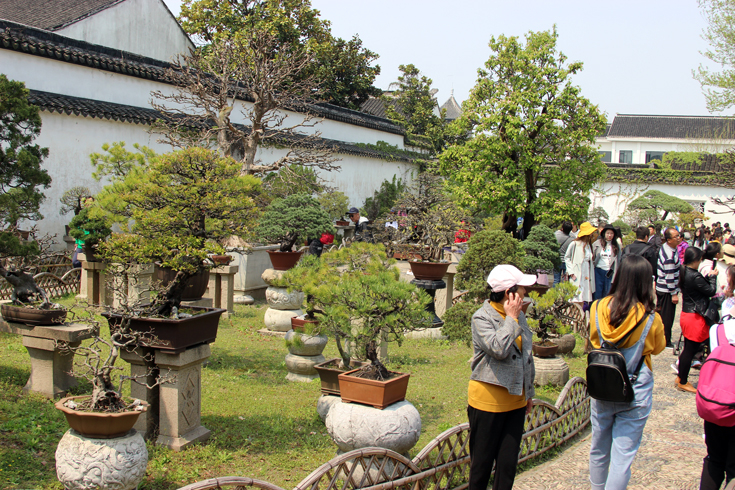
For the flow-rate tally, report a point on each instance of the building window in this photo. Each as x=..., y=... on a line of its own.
x=605, y=156
x=654, y=155
x=625, y=156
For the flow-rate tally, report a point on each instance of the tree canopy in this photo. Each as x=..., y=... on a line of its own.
x=659, y=202
x=531, y=153
x=21, y=175
x=718, y=86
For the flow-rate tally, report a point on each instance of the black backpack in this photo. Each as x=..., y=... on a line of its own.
x=607, y=372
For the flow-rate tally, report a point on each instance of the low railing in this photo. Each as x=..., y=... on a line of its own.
x=54, y=274
x=443, y=464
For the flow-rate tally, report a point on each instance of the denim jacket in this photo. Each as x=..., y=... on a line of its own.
x=497, y=359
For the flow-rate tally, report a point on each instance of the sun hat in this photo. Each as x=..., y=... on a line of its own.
x=504, y=277
x=353, y=210
x=585, y=229
x=728, y=254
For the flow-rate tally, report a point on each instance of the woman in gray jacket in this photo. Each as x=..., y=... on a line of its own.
x=501, y=388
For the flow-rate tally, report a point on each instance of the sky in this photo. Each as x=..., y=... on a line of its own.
x=638, y=55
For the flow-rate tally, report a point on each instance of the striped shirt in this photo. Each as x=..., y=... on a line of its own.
x=667, y=271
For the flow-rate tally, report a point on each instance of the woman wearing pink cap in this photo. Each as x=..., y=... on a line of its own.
x=501, y=388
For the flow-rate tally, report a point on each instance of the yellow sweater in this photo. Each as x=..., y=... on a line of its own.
x=493, y=398
x=655, y=341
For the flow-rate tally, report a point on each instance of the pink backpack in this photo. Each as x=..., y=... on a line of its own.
x=716, y=390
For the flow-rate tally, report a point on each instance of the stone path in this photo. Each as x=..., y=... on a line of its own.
x=670, y=456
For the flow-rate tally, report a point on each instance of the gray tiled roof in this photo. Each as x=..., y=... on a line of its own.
x=454, y=111
x=375, y=106
x=671, y=127
x=97, y=109
x=51, y=15
x=46, y=44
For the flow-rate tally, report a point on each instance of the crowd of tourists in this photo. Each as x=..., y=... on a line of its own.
x=631, y=294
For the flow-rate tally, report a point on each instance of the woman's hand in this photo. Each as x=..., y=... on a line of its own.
x=713, y=272
x=513, y=305
x=529, y=406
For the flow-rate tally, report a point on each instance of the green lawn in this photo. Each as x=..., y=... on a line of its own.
x=262, y=425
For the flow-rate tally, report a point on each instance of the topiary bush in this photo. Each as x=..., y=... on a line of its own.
x=486, y=250
x=458, y=322
x=542, y=251
x=292, y=218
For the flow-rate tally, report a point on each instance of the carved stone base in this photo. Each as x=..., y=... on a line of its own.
x=550, y=370
x=301, y=368
x=83, y=463
x=324, y=404
x=279, y=320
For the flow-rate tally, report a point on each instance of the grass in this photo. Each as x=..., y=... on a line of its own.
x=262, y=425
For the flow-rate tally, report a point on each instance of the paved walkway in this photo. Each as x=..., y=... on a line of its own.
x=670, y=456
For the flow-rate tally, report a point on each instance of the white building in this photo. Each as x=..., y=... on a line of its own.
x=633, y=146
x=93, y=77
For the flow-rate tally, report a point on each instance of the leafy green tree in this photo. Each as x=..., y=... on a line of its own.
x=21, y=175
x=658, y=205
x=117, y=161
x=334, y=203
x=298, y=216
x=598, y=216
x=718, y=86
x=73, y=199
x=414, y=107
x=384, y=198
x=291, y=179
x=542, y=251
x=531, y=153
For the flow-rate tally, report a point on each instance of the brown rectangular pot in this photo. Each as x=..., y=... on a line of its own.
x=329, y=376
x=379, y=394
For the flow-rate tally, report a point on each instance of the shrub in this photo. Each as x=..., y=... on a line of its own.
x=486, y=250
x=334, y=203
x=542, y=251
x=294, y=217
x=383, y=199
x=458, y=322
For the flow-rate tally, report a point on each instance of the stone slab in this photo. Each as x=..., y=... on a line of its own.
x=68, y=332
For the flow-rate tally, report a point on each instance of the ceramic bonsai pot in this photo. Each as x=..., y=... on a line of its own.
x=175, y=335
x=283, y=261
x=98, y=425
x=341, y=222
x=329, y=374
x=431, y=271
x=196, y=285
x=378, y=394
x=545, y=350
x=299, y=324
x=32, y=316
x=221, y=259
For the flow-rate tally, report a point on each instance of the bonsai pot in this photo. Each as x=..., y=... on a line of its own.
x=99, y=425
x=539, y=288
x=544, y=350
x=341, y=222
x=221, y=259
x=378, y=394
x=283, y=261
x=431, y=271
x=329, y=374
x=298, y=324
x=196, y=285
x=32, y=316
x=174, y=335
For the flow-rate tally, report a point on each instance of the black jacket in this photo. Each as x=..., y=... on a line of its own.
x=645, y=250
x=696, y=290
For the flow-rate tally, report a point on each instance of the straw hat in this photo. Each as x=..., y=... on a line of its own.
x=728, y=254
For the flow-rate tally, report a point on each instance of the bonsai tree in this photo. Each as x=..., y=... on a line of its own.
x=598, y=216
x=431, y=220
x=73, y=200
x=359, y=300
x=89, y=226
x=486, y=250
x=334, y=204
x=659, y=205
x=547, y=314
x=542, y=251
x=174, y=208
x=291, y=218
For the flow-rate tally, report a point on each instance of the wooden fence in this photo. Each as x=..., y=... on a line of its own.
x=443, y=464
x=54, y=274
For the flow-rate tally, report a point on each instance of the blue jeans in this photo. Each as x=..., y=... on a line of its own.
x=602, y=284
x=558, y=273
x=617, y=429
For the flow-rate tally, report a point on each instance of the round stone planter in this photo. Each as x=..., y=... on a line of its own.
x=301, y=368
x=83, y=463
x=301, y=344
x=566, y=343
x=279, y=320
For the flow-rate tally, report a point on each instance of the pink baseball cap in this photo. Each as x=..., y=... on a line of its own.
x=504, y=277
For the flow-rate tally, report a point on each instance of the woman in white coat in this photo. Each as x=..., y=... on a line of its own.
x=578, y=260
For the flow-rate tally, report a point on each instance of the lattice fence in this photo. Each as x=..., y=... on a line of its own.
x=54, y=274
x=444, y=463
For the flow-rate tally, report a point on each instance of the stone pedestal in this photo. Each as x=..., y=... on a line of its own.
x=324, y=404
x=550, y=370
x=221, y=287
x=92, y=283
x=132, y=284
x=248, y=280
x=304, y=351
x=144, y=369
x=431, y=287
x=49, y=367
x=282, y=304
x=83, y=463
x=180, y=400
x=355, y=426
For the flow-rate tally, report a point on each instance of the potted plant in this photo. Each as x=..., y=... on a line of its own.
x=289, y=220
x=173, y=209
x=89, y=227
x=542, y=255
x=431, y=220
x=334, y=203
x=359, y=300
x=547, y=317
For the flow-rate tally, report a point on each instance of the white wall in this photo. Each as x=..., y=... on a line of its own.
x=640, y=146
x=144, y=27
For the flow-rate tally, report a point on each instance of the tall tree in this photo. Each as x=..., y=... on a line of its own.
x=718, y=86
x=531, y=153
x=21, y=175
x=412, y=106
